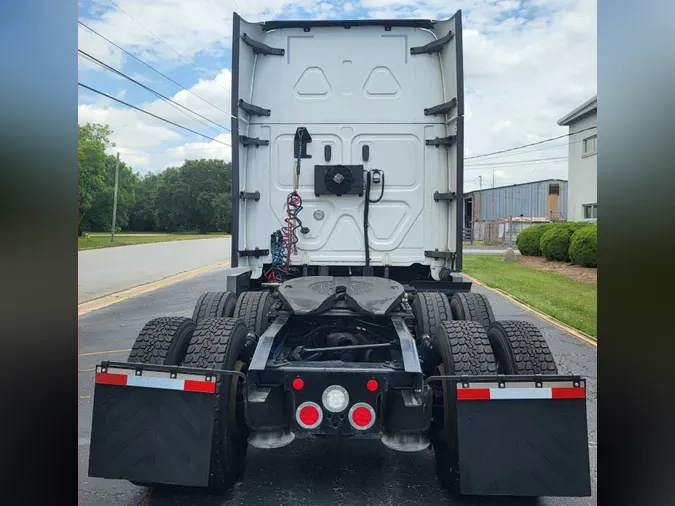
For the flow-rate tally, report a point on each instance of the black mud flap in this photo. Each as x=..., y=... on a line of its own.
x=152, y=424
x=523, y=436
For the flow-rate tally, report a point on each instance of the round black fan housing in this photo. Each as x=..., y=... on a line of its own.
x=339, y=180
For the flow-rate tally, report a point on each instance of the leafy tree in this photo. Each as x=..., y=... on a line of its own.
x=193, y=197
x=92, y=142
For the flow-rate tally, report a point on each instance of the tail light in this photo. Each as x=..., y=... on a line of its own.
x=309, y=415
x=362, y=416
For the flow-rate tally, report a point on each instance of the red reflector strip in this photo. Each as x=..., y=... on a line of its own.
x=466, y=394
x=568, y=393
x=105, y=378
x=208, y=387
x=472, y=394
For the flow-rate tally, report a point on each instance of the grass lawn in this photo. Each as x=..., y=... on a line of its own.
x=101, y=240
x=572, y=302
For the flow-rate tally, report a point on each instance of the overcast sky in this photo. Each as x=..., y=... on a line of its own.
x=527, y=63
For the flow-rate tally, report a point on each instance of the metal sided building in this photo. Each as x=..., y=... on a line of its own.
x=539, y=200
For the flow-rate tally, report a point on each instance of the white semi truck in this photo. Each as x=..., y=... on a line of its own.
x=346, y=314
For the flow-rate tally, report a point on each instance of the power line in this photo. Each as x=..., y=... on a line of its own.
x=516, y=164
x=186, y=59
x=156, y=93
x=151, y=114
x=531, y=144
x=157, y=71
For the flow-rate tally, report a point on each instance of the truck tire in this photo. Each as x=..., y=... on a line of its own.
x=472, y=306
x=214, y=305
x=217, y=343
x=464, y=349
x=430, y=309
x=520, y=348
x=252, y=308
x=163, y=341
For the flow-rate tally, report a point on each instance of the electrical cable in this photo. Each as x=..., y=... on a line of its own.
x=151, y=114
x=158, y=72
x=156, y=93
x=366, y=209
x=167, y=45
x=531, y=144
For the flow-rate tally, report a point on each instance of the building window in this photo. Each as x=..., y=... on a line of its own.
x=590, y=146
x=554, y=189
x=590, y=211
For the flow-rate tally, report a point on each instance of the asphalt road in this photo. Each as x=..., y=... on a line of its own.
x=306, y=472
x=109, y=270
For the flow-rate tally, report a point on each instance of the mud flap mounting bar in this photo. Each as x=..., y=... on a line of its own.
x=441, y=108
x=253, y=110
x=260, y=48
x=435, y=46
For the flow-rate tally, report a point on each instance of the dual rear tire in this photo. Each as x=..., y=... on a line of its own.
x=214, y=338
x=474, y=344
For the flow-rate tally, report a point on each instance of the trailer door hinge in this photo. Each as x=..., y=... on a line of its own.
x=442, y=141
x=257, y=252
x=441, y=108
x=252, y=141
x=253, y=110
x=260, y=48
x=444, y=196
x=435, y=46
x=250, y=195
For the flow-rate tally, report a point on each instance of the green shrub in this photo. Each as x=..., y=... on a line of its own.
x=555, y=242
x=528, y=240
x=584, y=246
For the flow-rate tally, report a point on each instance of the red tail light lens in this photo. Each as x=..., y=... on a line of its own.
x=309, y=415
x=362, y=416
x=298, y=384
x=372, y=385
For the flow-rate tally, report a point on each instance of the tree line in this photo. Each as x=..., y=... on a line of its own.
x=195, y=197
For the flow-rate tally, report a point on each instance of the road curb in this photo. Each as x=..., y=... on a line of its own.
x=107, y=300
x=588, y=339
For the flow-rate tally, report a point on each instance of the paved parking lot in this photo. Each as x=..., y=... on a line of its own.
x=307, y=472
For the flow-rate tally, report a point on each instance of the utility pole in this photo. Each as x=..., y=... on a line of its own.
x=510, y=231
x=117, y=173
x=480, y=182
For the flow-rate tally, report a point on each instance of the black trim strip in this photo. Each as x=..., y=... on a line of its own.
x=459, y=190
x=441, y=108
x=442, y=141
x=257, y=252
x=234, y=88
x=253, y=110
x=253, y=141
x=435, y=46
x=260, y=48
x=345, y=23
x=440, y=254
x=444, y=196
x=250, y=195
